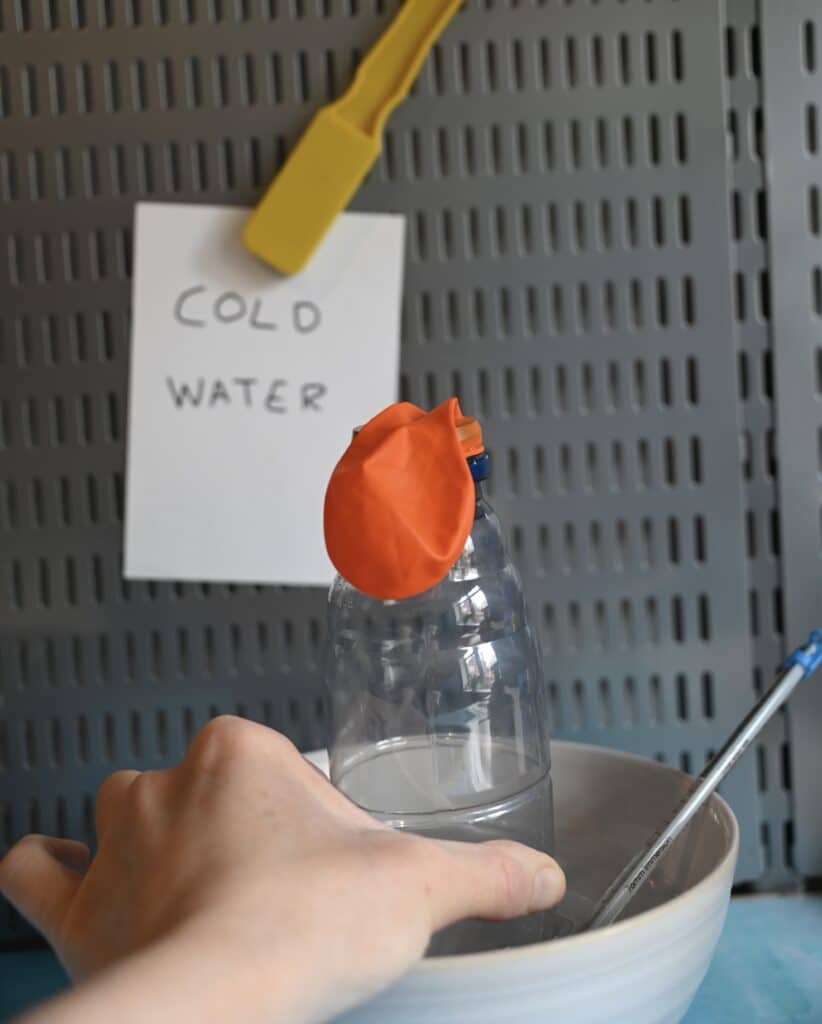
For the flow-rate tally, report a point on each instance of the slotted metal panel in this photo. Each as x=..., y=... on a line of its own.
x=751, y=290
x=792, y=38
x=571, y=282
x=586, y=269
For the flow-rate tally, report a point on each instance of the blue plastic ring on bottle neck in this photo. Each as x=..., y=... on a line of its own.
x=479, y=466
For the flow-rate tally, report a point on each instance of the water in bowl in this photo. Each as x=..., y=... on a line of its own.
x=440, y=793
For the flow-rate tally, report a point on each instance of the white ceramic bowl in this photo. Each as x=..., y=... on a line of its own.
x=644, y=969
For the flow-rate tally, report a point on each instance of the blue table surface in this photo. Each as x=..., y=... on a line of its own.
x=767, y=968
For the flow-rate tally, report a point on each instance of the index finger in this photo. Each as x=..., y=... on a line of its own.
x=109, y=797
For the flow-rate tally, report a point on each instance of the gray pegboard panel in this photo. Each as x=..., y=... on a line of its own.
x=754, y=353
x=551, y=243
x=563, y=170
x=792, y=41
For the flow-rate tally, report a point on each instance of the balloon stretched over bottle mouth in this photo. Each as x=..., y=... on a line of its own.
x=400, y=502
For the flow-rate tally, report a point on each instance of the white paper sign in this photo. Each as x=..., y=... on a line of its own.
x=244, y=390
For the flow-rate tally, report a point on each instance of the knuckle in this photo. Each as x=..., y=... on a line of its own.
x=282, y=745
x=128, y=796
x=145, y=803
x=513, y=880
x=223, y=737
x=142, y=790
x=409, y=855
x=110, y=796
x=227, y=739
x=504, y=847
x=112, y=784
x=17, y=857
x=223, y=726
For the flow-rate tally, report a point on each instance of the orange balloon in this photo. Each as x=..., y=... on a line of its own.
x=400, y=502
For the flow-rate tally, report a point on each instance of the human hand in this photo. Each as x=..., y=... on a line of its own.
x=246, y=884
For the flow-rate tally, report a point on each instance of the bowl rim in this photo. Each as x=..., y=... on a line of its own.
x=611, y=931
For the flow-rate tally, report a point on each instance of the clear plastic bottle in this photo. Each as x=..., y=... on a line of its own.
x=439, y=711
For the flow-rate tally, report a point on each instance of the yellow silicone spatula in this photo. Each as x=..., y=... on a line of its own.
x=342, y=141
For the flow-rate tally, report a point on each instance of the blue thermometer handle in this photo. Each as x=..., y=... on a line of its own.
x=803, y=662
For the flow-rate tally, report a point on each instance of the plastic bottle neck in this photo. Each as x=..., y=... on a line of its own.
x=479, y=466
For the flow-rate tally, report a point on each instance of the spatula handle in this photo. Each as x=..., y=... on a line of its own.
x=387, y=72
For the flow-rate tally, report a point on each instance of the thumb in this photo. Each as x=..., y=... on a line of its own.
x=37, y=877
x=495, y=880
